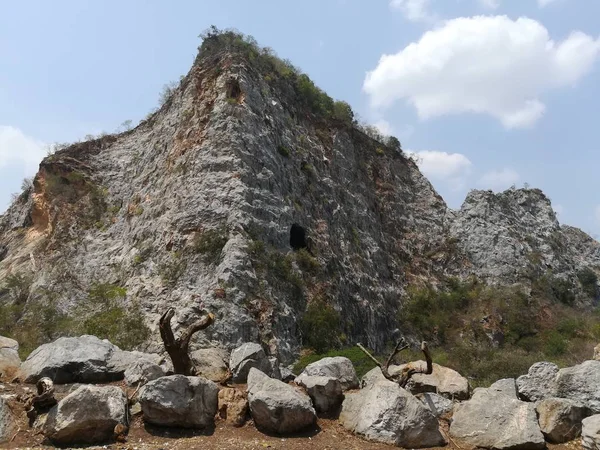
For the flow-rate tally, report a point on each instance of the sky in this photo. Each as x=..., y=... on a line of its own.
x=485, y=94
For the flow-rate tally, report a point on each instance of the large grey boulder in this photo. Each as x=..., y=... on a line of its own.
x=211, y=363
x=581, y=383
x=276, y=406
x=387, y=413
x=325, y=392
x=505, y=386
x=492, y=419
x=337, y=367
x=539, y=383
x=8, y=420
x=438, y=405
x=590, y=433
x=84, y=359
x=87, y=415
x=9, y=357
x=245, y=357
x=560, y=419
x=143, y=371
x=180, y=401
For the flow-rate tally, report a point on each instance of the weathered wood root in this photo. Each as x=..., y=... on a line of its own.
x=178, y=348
x=43, y=401
x=409, y=370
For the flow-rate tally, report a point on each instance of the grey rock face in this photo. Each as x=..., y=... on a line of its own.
x=9, y=357
x=180, y=401
x=493, y=419
x=211, y=363
x=87, y=416
x=560, y=419
x=325, y=392
x=244, y=358
x=276, y=406
x=385, y=412
x=143, y=371
x=581, y=383
x=590, y=433
x=84, y=359
x=8, y=420
x=539, y=383
x=338, y=367
x=437, y=404
x=286, y=374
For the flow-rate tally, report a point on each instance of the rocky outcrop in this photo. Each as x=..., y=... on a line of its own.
x=277, y=407
x=438, y=405
x=325, y=392
x=246, y=357
x=338, y=367
x=581, y=383
x=233, y=406
x=9, y=357
x=590, y=433
x=496, y=419
x=385, y=412
x=539, y=383
x=180, y=401
x=211, y=363
x=84, y=359
x=560, y=419
x=87, y=415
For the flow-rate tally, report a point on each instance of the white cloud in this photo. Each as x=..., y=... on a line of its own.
x=18, y=149
x=558, y=209
x=499, y=180
x=451, y=168
x=384, y=127
x=413, y=10
x=485, y=64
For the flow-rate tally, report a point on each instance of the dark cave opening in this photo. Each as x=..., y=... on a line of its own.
x=234, y=91
x=298, y=237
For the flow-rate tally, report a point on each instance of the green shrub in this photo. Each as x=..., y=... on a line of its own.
x=562, y=291
x=283, y=151
x=380, y=151
x=589, y=282
x=320, y=326
x=342, y=111
x=555, y=344
x=18, y=286
x=172, y=269
x=306, y=261
x=210, y=243
x=104, y=293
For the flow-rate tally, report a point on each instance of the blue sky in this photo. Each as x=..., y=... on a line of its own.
x=485, y=93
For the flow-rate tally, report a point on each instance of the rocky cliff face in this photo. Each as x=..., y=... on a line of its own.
x=197, y=204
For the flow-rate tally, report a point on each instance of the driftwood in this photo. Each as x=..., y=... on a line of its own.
x=403, y=377
x=43, y=401
x=178, y=348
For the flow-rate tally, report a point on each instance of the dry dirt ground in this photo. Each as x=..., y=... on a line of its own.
x=328, y=434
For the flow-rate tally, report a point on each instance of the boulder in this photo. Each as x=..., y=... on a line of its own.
x=9, y=357
x=143, y=371
x=493, y=419
x=374, y=376
x=597, y=353
x=505, y=386
x=180, y=401
x=438, y=405
x=246, y=357
x=275, y=370
x=442, y=380
x=338, y=367
x=8, y=420
x=385, y=412
x=539, y=383
x=276, y=406
x=84, y=359
x=233, y=406
x=286, y=374
x=87, y=415
x=560, y=419
x=590, y=433
x=211, y=363
x=325, y=392
x=581, y=383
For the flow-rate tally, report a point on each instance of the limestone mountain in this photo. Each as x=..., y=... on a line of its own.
x=204, y=200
